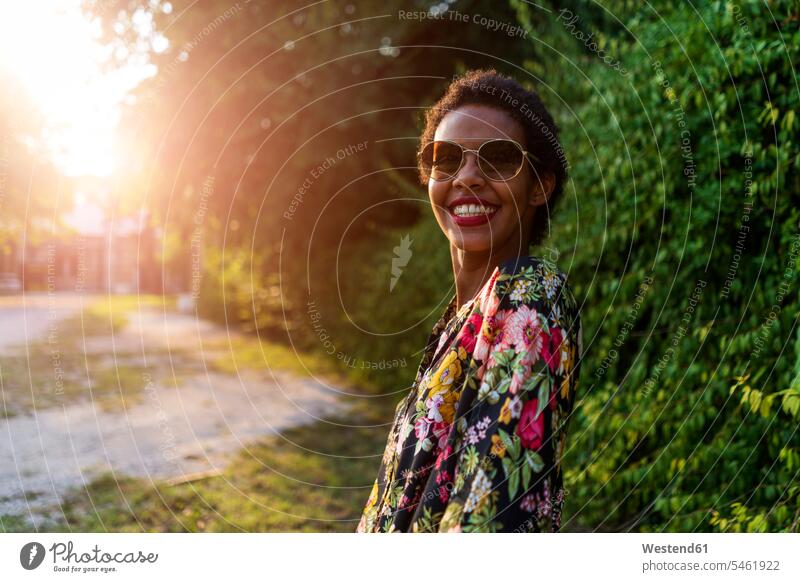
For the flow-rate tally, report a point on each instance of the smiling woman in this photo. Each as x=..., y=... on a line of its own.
x=477, y=443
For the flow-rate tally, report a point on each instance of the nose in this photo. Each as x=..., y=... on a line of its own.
x=469, y=176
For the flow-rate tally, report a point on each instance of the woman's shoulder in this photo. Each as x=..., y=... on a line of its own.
x=531, y=279
x=527, y=263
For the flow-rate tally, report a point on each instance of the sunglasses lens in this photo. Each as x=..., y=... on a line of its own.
x=441, y=160
x=501, y=159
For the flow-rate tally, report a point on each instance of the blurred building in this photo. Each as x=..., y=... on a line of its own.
x=101, y=256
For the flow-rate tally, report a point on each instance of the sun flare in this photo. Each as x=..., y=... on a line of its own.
x=54, y=52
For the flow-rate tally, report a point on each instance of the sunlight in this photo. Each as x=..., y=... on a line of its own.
x=56, y=53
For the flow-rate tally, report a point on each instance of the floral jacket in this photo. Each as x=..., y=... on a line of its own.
x=477, y=443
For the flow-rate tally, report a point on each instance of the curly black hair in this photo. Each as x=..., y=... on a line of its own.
x=488, y=87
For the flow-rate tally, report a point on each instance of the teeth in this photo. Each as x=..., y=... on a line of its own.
x=472, y=210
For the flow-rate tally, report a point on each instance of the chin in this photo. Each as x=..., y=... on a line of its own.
x=470, y=243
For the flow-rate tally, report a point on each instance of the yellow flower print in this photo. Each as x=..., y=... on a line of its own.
x=441, y=386
x=448, y=372
x=568, y=365
x=488, y=331
x=373, y=497
x=567, y=357
x=498, y=448
x=443, y=403
x=462, y=353
x=505, y=413
x=565, y=387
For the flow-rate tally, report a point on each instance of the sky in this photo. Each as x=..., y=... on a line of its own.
x=74, y=80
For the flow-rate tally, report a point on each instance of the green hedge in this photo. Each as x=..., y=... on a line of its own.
x=682, y=237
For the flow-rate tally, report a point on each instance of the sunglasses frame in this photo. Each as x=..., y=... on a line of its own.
x=525, y=154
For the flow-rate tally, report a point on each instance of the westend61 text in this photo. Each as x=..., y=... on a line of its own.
x=670, y=549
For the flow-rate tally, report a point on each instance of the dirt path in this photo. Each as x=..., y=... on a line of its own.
x=169, y=433
x=24, y=318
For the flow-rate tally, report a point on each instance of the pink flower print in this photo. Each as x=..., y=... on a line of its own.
x=524, y=330
x=488, y=299
x=551, y=348
x=519, y=377
x=441, y=430
x=433, y=405
x=442, y=458
x=468, y=335
x=528, y=503
x=501, y=338
x=530, y=428
x=486, y=336
x=421, y=427
x=544, y=509
x=483, y=342
x=477, y=432
x=479, y=373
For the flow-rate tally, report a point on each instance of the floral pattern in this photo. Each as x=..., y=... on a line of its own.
x=477, y=443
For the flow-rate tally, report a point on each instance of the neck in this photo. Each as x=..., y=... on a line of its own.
x=471, y=269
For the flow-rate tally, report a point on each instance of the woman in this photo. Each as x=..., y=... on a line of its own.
x=477, y=443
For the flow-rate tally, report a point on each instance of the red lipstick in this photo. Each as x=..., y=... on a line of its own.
x=477, y=220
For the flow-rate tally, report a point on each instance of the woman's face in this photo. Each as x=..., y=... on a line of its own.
x=511, y=205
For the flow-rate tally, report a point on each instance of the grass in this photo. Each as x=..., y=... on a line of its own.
x=251, y=353
x=308, y=481
x=13, y=523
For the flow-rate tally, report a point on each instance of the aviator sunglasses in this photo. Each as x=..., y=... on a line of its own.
x=498, y=159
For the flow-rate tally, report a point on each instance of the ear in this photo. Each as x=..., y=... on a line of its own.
x=542, y=187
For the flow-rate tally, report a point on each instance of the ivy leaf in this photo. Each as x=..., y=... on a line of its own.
x=791, y=403
x=755, y=399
